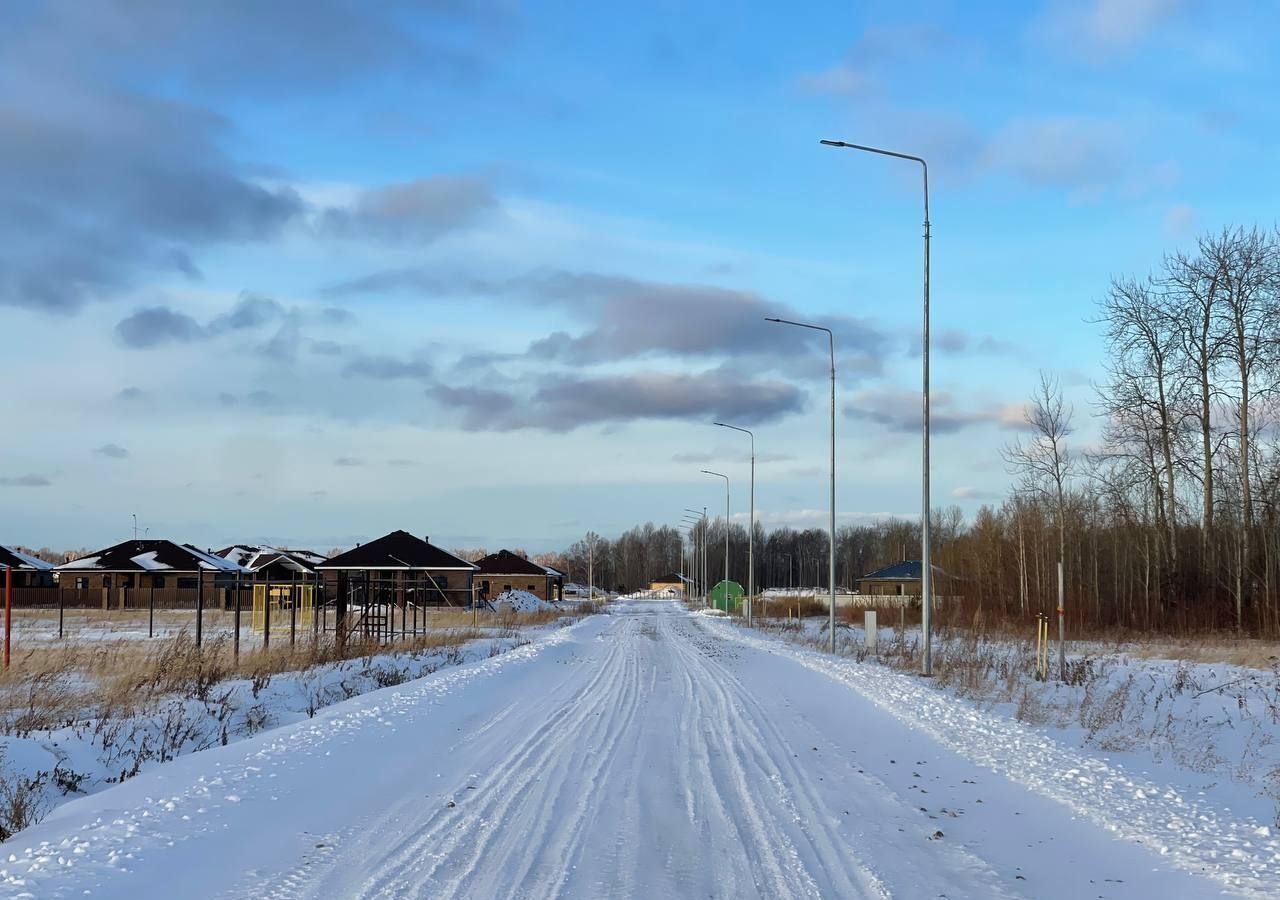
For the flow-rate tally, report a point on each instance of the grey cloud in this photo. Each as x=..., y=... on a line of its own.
x=628, y=317
x=567, y=402
x=402, y=463
x=483, y=409
x=97, y=187
x=227, y=399
x=387, y=367
x=348, y=462
x=420, y=211
x=288, y=45
x=158, y=325
x=131, y=393
x=31, y=480
x=104, y=181
x=900, y=411
x=250, y=311
x=112, y=451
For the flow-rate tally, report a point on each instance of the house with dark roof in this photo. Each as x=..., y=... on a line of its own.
x=396, y=573
x=27, y=571
x=275, y=564
x=506, y=571
x=902, y=579
x=130, y=573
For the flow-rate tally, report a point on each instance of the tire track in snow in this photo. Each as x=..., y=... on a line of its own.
x=446, y=851
x=1242, y=855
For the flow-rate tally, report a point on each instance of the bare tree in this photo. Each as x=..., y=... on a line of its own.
x=1046, y=464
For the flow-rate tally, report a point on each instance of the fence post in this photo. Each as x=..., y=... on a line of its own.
x=199, y=605
x=266, y=614
x=8, y=611
x=235, y=637
x=293, y=609
x=151, y=608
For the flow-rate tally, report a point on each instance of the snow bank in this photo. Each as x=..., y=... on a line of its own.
x=1146, y=801
x=521, y=602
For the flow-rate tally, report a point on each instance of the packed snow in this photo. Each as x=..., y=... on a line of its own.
x=648, y=753
x=521, y=602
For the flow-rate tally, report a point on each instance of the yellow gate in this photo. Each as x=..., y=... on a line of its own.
x=282, y=598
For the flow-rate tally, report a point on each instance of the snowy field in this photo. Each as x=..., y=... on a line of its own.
x=651, y=753
x=106, y=703
x=1211, y=726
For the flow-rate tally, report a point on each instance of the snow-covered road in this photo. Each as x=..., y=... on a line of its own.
x=649, y=753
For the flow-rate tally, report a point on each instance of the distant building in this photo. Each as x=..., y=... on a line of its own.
x=672, y=582
x=117, y=575
x=505, y=571
x=902, y=579
x=275, y=564
x=28, y=571
x=396, y=572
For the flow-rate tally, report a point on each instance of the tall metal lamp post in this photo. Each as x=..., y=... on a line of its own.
x=926, y=567
x=751, y=522
x=726, y=532
x=702, y=567
x=831, y=575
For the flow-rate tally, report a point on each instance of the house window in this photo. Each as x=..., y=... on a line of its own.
x=106, y=581
x=82, y=584
x=506, y=587
x=186, y=584
x=532, y=588
x=442, y=582
x=126, y=581
x=157, y=581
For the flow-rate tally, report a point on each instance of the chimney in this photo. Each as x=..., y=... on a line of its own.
x=426, y=539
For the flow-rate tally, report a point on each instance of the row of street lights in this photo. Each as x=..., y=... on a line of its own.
x=926, y=574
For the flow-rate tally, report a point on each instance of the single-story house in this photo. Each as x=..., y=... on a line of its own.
x=28, y=571
x=119, y=574
x=506, y=571
x=673, y=582
x=396, y=570
x=274, y=563
x=902, y=579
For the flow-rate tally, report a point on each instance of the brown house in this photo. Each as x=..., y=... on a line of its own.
x=902, y=579
x=136, y=573
x=507, y=571
x=397, y=574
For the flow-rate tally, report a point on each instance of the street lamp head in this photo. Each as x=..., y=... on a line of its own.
x=833, y=143
x=772, y=319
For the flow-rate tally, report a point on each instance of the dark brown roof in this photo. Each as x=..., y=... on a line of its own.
x=150, y=556
x=397, y=550
x=12, y=557
x=504, y=562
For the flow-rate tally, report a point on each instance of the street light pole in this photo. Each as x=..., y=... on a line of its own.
x=726, y=533
x=700, y=562
x=831, y=574
x=751, y=522
x=926, y=566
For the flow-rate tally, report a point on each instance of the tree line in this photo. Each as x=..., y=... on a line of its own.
x=1168, y=522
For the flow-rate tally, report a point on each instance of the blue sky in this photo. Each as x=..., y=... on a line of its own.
x=487, y=271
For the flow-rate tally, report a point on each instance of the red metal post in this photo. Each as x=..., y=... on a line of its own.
x=8, y=611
